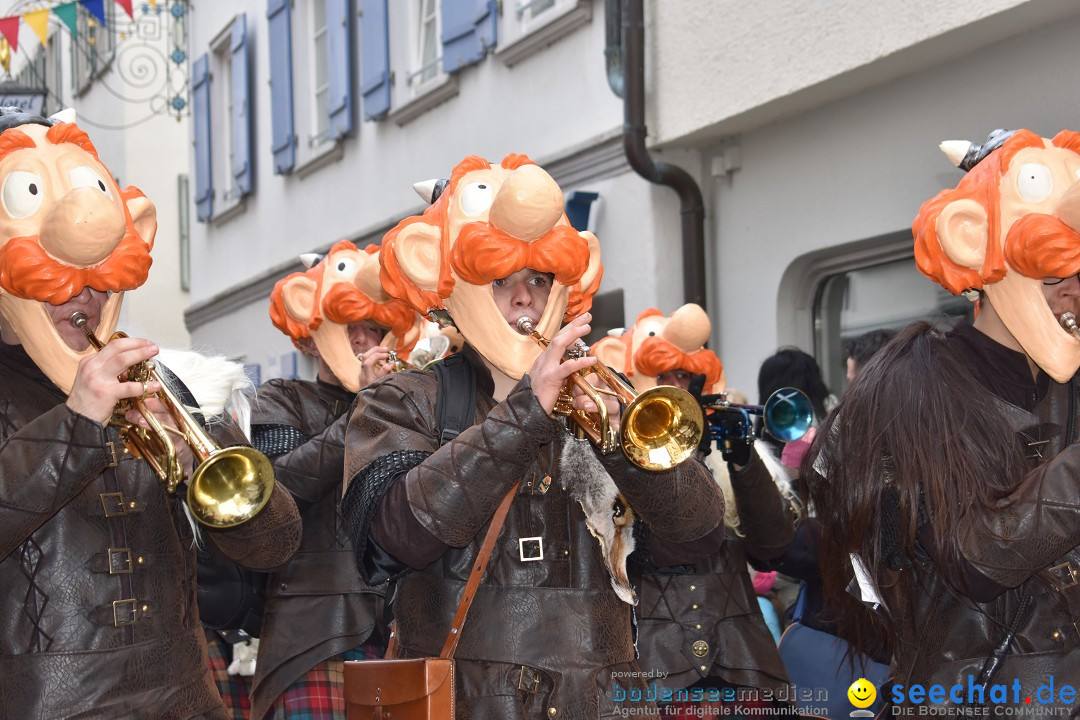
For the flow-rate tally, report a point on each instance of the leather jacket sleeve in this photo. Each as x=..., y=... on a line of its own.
x=456, y=488
x=269, y=539
x=43, y=466
x=1031, y=527
x=315, y=469
x=766, y=521
x=678, y=505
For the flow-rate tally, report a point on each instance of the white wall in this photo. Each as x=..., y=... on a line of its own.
x=860, y=168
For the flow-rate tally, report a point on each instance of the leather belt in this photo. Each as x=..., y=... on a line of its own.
x=120, y=613
x=117, y=561
x=114, y=503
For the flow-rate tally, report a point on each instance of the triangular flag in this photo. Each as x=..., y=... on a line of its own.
x=68, y=15
x=95, y=8
x=9, y=26
x=38, y=21
x=126, y=4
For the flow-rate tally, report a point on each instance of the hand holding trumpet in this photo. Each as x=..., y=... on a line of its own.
x=549, y=372
x=374, y=364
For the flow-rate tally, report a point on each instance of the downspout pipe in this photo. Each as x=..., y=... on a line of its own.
x=691, y=202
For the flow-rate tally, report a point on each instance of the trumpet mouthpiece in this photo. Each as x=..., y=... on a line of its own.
x=78, y=319
x=525, y=324
x=1068, y=321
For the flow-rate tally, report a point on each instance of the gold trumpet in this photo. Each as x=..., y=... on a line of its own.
x=229, y=485
x=661, y=427
x=1068, y=321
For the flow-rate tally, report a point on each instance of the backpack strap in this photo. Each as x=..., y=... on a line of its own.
x=455, y=407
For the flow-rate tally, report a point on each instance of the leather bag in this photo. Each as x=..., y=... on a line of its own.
x=418, y=688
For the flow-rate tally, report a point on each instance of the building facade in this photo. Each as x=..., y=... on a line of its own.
x=811, y=129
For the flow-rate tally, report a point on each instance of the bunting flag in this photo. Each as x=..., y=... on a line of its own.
x=9, y=28
x=68, y=14
x=126, y=4
x=38, y=20
x=95, y=8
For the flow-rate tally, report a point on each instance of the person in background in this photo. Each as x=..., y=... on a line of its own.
x=319, y=612
x=859, y=350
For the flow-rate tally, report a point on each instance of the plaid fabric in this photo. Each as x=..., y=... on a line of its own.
x=234, y=689
x=320, y=695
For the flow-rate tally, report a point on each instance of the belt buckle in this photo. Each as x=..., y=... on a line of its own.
x=114, y=460
x=133, y=612
x=536, y=549
x=522, y=682
x=124, y=555
x=113, y=503
x=1064, y=576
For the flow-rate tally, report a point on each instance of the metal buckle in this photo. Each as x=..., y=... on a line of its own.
x=133, y=612
x=1064, y=576
x=113, y=459
x=113, y=503
x=536, y=551
x=124, y=554
x=535, y=681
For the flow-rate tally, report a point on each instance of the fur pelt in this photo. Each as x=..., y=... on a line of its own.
x=217, y=383
x=584, y=477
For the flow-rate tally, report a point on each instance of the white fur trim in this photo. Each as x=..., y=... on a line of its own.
x=212, y=380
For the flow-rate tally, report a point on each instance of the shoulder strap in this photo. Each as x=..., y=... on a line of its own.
x=455, y=408
x=497, y=521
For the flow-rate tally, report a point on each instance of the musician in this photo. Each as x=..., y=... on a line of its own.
x=549, y=633
x=97, y=563
x=950, y=466
x=701, y=624
x=318, y=610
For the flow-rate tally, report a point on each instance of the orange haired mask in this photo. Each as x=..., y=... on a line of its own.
x=341, y=289
x=65, y=226
x=488, y=223
x=1012, y=221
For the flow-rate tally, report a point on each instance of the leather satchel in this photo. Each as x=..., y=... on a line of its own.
x=418, y=688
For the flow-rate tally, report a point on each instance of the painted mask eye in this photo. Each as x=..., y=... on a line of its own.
x=345, y=268
x=22, y=193
x=476, y=199
x=1034, y=182
x=84, y=176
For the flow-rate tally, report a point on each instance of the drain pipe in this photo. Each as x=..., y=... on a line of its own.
x=691, y=203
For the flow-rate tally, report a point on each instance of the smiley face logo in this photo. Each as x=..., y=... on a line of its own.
x=862, y=693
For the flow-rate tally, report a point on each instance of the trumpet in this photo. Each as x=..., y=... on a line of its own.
x=1068, y=321
x=228, y=487
x=787, y=414
x=660, y=428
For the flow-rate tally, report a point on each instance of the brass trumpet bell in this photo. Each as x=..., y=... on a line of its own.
x=228, y=487
x=659, y=429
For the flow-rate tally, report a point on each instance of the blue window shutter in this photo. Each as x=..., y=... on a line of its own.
x=241, y=107
x=578, y=206
x=468, y=32
x=200, y=114
x=339, y=67
x=279, y=38
x=375, y=60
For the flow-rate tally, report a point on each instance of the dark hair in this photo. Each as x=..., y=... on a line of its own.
x=914, y=445
x=12, y=116
x=791, y=367
x=862, y=347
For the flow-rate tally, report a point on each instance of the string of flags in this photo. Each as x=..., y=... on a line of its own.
x=38, y=20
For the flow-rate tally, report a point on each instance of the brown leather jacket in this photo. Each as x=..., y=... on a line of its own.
x=317, y=606
x=1030, y=547
x=97, y=568
x=704, y=620
x=544, y=638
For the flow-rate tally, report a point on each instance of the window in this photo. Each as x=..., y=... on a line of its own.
x=221, y=118
x=884, y=295
x=320, y=82
x=221, y=97
x=529, y=26
x=311, y=88
x=426, y=56
x=420, y=60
